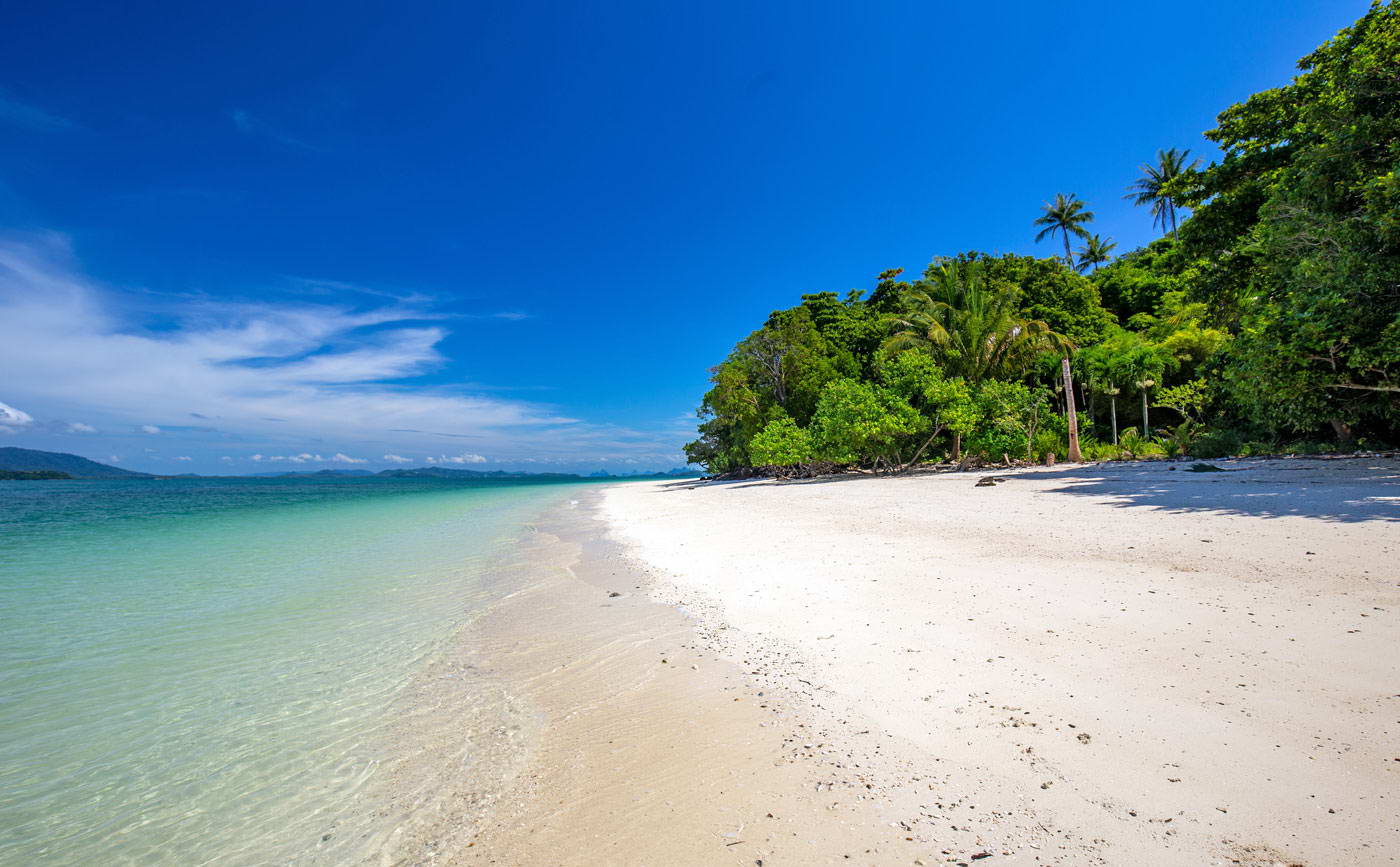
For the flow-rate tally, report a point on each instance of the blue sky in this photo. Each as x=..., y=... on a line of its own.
x=517, y=235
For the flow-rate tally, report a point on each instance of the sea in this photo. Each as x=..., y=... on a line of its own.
x=217, y=671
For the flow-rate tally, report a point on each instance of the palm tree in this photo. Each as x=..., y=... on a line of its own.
x=1067, y=216
x=974, y=332
x=1152, y=187
x=1095, y=252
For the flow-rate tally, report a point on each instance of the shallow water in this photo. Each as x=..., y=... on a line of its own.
x=202, y=671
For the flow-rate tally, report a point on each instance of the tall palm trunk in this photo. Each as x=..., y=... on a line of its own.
x=1113, y=415
x=1069, y=257
x=1145, y=433
x=1070, y=414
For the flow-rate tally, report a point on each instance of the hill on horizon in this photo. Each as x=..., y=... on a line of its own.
x=33, y=460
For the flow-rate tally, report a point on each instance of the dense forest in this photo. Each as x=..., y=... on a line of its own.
x=1265, y=319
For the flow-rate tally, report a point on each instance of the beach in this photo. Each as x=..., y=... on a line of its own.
x=1099, y=664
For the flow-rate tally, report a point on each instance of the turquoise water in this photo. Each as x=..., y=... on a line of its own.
x=199, y=671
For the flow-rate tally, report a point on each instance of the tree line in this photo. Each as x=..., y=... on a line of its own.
x=1266, y=317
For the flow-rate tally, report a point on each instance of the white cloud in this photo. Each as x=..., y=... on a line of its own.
x=460, y=459
x=11, y=419
x=150, y=429
x=256, y=457
x=398, y=459
x=346, y=459
x=79, y=427
x=317, y=367
x=113, y=459
x=184, y=458
x=274, y=373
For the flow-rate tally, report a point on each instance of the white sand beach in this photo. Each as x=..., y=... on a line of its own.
x=1125, y=664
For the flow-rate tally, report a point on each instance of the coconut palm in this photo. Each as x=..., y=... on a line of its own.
x=973, y=332
x=1095, y=252
x=1067, y=216
x=1152, y=188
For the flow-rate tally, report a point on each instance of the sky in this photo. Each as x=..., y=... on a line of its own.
x=238, y=238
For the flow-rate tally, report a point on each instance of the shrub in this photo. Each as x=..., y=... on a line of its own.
x=1217, y=444
x=1093, y=450
x=857, y=421
x=782, y=443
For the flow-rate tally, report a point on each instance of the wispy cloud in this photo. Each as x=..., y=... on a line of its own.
x=290, y=377
x=398, y=459
x=25, y=116
x=149, y=429
x=250, y=125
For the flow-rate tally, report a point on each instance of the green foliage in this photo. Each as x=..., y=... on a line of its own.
x=1271, y=311
x=1302, y=219
x=1218, y=444
x=1134, y=445
x=1093, y=450
x=948, y=404
x=1012, y=414
x=1189, y=398
x=1045, y=290
x=782, y=443
x=972, y=329
x=860, y=421
x=1180, y=438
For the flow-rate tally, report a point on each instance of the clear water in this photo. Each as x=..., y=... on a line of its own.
x=198, y=671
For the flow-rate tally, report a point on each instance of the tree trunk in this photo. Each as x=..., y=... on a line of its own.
x=957, y=446
x=1345, y=437
x=1074, y=456
x=1069, y=259
x=1113, y=415
x=1145, y=433
x=920, y=452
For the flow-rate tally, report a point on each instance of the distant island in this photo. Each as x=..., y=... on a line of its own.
x=17, y=463
x=27, y=475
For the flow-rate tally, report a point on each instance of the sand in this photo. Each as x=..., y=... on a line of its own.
x=1111, y=664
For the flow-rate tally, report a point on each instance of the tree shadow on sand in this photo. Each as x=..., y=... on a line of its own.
x=1340, y=490
x=1345, y=490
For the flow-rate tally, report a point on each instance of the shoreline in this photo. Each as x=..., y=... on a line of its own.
x=651, y=748
x=1088, y=665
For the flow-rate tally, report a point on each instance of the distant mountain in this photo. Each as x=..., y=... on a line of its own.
x=309, y=474
x=638, y=474
x=448, y=473
x=32, y=460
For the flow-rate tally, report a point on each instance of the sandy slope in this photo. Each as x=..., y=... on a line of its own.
x=1106, y=664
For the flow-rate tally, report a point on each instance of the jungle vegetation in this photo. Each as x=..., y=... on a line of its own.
x=1266, y=318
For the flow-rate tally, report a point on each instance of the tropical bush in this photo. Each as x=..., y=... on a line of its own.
x=782, y=443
